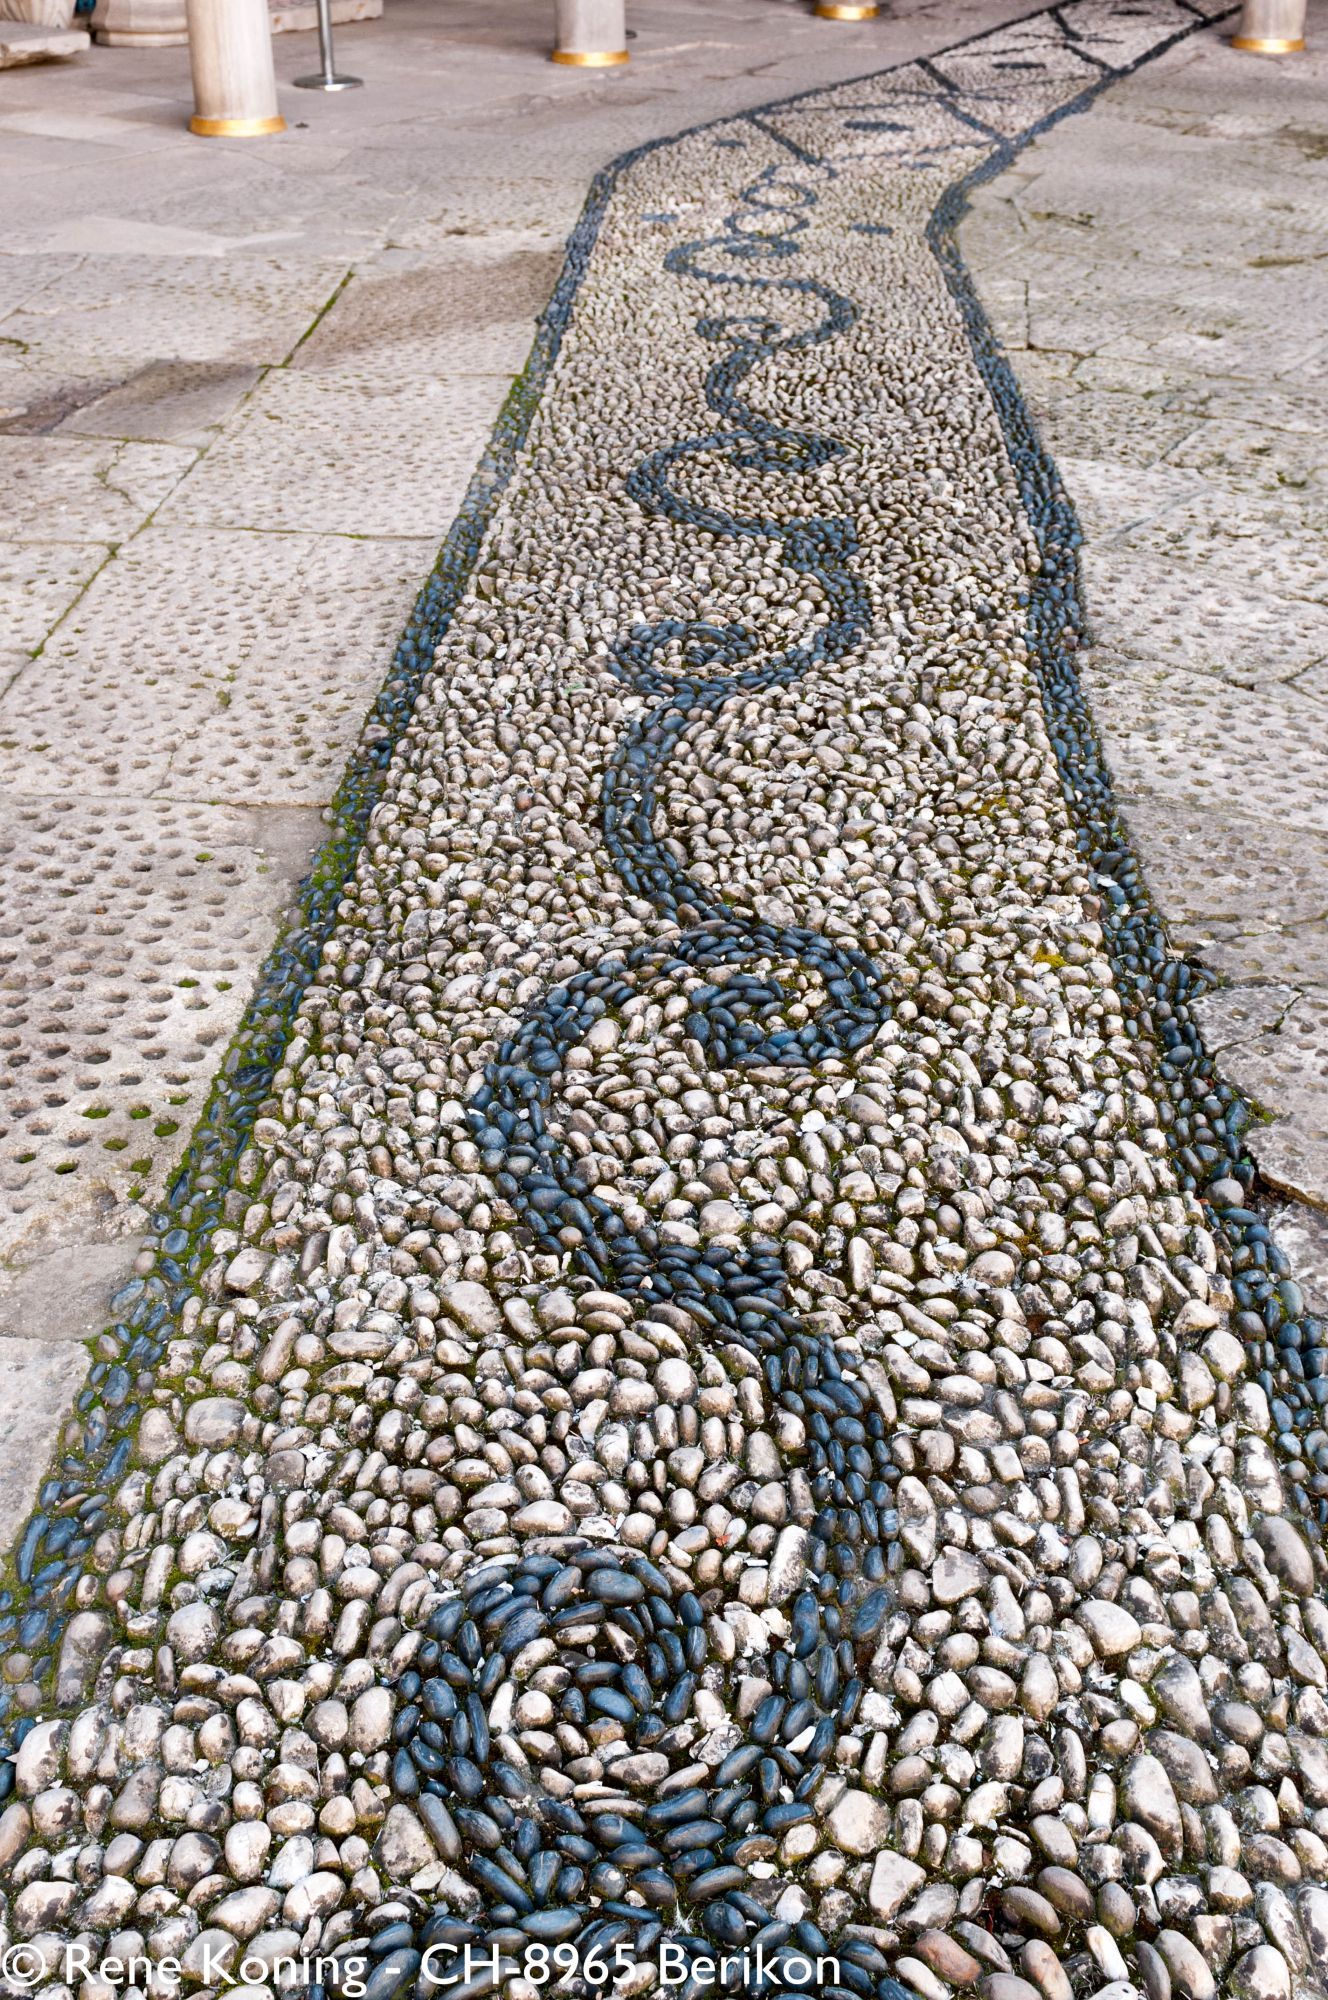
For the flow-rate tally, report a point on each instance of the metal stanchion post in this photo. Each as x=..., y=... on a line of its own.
x=1271, y=27
x=843, y=10
x=327, y=79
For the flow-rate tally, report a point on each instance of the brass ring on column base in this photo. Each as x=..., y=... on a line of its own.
x=598, y=59
x=235, y=128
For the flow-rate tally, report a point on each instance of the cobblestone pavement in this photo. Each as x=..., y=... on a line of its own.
x=1182, y=393
x=725, y=1391
x=242, y=394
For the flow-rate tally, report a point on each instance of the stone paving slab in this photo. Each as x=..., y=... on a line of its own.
x=225, y=307
x=1303, y=1234
x=1201, y=739
x=1301, y=955
x=1201, y=889
x=1248, y=451
x=1194, y=327
x=35, y=399
x=37, y=582
x=115, y=1009
x=166, y=402
x=1271, y=543
x=23, y=274
x=38, y=1378
x=1076, y=419
x=474, y=303
x=316, y=454
x=83, y=491
x=1249, y=639
x=115, y=200
x=264, y=698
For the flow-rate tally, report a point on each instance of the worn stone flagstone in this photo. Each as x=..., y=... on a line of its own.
x=729, y=1390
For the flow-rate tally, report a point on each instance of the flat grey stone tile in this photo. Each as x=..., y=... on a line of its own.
x=85, y=490
x=344, y=453
x=41, y=1379
x=253, y=661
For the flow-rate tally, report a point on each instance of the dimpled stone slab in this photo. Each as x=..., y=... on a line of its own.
x=38, y=583
x=1184, y=621
x=166, y=400
x=41, y=1372
x=294, y=461
x=113, y=1017
x=1275, y=543
x=1182, y=735
x=485, y=296
x=263, y=699
x=731, y=1394
x=217, y=307
x=83, y=491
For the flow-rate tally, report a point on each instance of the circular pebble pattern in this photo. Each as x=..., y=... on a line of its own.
x=714, y=1374
x=632, y=1650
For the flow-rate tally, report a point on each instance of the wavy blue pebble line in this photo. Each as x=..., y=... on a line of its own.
x=850, y=1470
x=740, y=1291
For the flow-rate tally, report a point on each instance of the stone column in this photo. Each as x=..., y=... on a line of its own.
x=39, y=13
x=140, y=23
x=230, y=55
x=590, y=33
x=1271, y=27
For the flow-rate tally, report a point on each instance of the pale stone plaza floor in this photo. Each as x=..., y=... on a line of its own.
x=737, y=1348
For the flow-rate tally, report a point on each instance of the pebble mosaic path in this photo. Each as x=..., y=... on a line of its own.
x=710, y=1385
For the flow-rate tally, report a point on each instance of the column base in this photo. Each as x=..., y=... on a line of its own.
x=1266, y=45
x=143, y=24
x=301, y=16
x=235, y=128
x=25, y=42
x=599, y=59
x=842, y=10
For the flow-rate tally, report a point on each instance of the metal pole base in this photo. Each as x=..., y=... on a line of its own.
x=1262, y=45
x=582, y=59
x=329, y=76
x=839, y=10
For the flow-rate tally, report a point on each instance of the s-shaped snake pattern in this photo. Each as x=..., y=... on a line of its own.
x=687, y=1856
